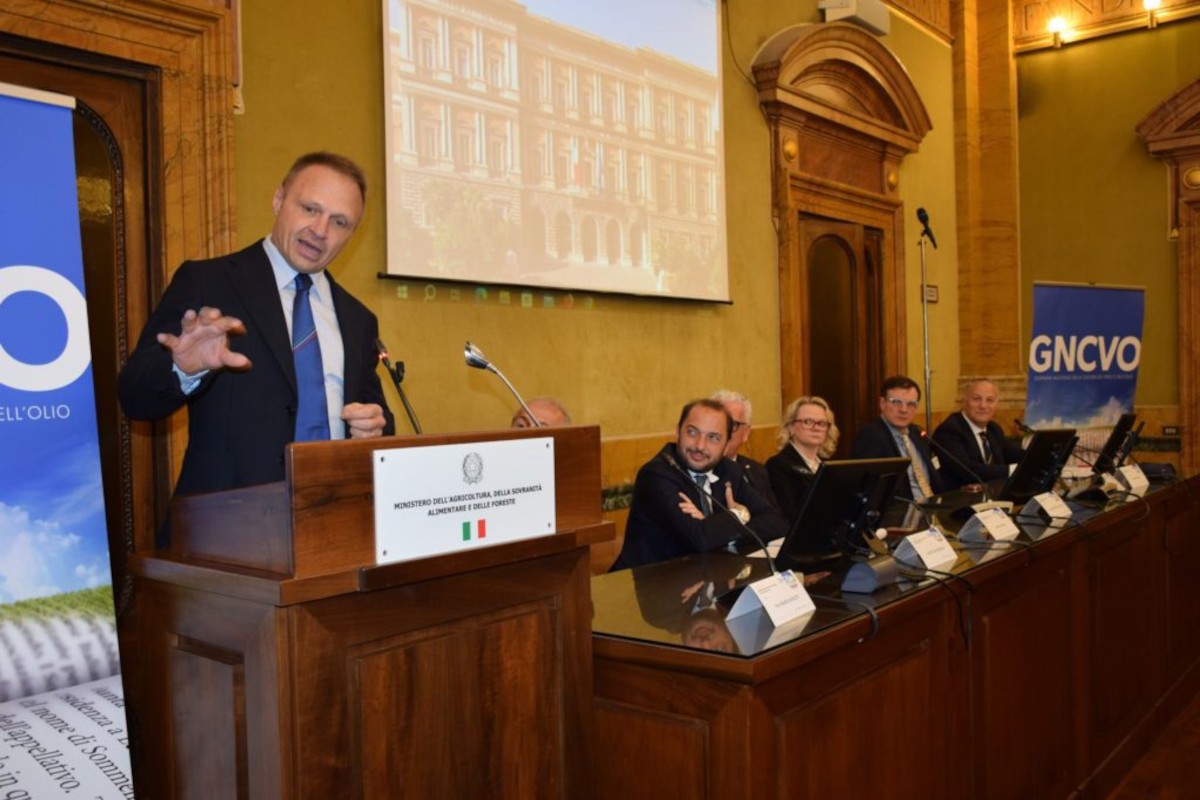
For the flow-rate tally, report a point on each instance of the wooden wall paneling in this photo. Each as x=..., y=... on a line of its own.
x=450, y=687
x=210, y=685
x=663, y=734
x=1180, y=548
x=1024, y=677
x=1124, y=618
x=834, y=724
x=690, y=725
x=211, y=688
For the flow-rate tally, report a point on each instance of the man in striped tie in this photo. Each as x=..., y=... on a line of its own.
x=262, y=345
x=893, y=434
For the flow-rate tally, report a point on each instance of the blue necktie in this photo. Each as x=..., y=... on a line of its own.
x=312, y=415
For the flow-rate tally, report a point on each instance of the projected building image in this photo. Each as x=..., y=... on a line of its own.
x=526, y=151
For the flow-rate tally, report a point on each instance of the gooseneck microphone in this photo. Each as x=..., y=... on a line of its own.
x=396, y=373
x=923, y=217
x=1025, y=429
x=713, y=497
x=475, y=358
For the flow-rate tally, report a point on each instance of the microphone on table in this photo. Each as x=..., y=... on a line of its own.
x=713, y=498
x=941, y=448
x=475, y=358
x=396, y=373
x=1025, y=429
x=966, y=512
x=923, y=216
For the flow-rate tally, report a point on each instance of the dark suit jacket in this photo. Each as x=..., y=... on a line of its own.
x=754, y=475
x=239, y=422
x=791, y=479
x=658, y=530
x=875, y=440
x=955, y=437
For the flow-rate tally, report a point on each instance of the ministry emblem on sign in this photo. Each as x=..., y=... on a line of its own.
x=472, y=468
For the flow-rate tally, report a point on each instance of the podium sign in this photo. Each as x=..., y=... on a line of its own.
x=451, y=497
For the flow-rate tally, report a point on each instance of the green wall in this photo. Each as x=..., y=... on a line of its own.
x=1093, y=201
x=313, y=80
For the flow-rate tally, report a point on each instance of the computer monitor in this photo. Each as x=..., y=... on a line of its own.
x=846, y=498
x=1040, y=465
x=1109, y=457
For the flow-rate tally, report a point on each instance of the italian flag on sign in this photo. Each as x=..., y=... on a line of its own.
x=480, y=530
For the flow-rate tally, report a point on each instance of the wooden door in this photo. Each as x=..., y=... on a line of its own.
x=842, y=330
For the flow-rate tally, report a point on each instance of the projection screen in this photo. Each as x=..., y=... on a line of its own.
x=564, y=144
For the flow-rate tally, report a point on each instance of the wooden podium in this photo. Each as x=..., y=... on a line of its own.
x=277, y=660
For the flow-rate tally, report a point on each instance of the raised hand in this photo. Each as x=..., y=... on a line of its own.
x=203, y=342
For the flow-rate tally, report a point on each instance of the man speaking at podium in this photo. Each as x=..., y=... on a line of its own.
x=690, y=498
x=262, y=345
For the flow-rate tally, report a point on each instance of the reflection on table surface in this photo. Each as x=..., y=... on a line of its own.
x=685, y=602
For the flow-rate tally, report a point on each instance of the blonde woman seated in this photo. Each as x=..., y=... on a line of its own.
x=807, y=437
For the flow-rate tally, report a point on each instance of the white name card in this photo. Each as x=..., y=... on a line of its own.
x=990, y=524
x=1133, y=480
x=1049, y=509
x=928, y=549
x=782, y=596
x=445, y=498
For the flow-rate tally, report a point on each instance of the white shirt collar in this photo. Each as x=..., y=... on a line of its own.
x=285, y=274
x=974, y=428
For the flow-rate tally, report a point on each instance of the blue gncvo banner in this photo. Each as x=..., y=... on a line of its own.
x=1084, y=355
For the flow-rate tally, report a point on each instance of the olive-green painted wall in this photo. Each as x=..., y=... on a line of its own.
x=313, y=80
x=1093, y=201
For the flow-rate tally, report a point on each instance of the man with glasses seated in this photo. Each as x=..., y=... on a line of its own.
x=754, y=473
x=893, y=434
x=690, y=498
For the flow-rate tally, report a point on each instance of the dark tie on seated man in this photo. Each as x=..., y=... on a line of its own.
x=980, y=450
x=893, y=434
x=690, y=498
x=262, y=345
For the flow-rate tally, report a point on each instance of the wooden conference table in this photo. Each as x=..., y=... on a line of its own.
x=1042, y=670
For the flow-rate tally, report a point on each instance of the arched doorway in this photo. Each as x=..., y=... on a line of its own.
x=843, y=283
x=843, y=114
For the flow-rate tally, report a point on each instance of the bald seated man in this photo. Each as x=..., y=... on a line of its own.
x=548, y=411
x=981, y=450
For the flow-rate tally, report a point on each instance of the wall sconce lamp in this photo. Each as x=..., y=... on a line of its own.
x=1151, y=7
x=1057, y=25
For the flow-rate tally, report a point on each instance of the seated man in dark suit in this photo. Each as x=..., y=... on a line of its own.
x=893, y=434
x=979, y=448
x=753, y=472
x=690, y=498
